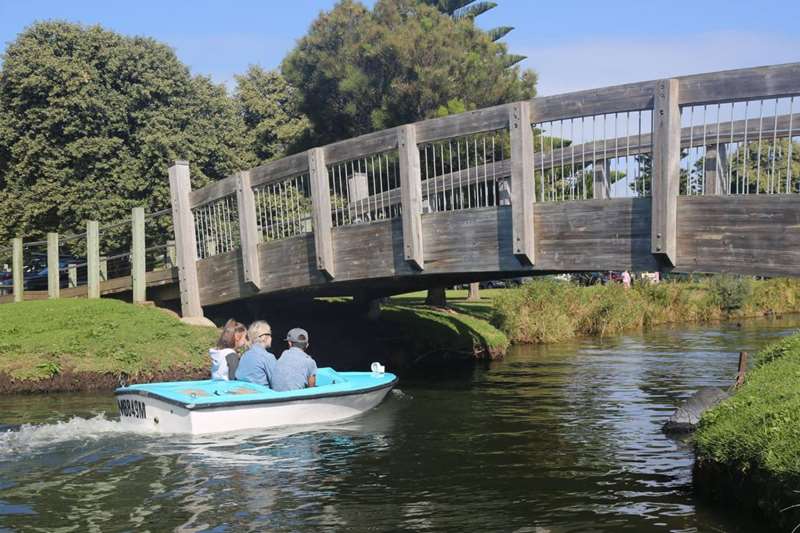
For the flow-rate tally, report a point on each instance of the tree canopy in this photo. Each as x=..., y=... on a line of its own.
x=359, y=70
x=269, y=106
x=90, y=120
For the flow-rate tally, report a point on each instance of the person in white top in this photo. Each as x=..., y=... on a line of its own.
x=224, y=357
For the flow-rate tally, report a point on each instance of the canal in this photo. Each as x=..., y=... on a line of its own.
x=552, y=439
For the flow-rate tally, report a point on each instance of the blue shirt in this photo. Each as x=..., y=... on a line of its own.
x=257, y=365
x=293, y=370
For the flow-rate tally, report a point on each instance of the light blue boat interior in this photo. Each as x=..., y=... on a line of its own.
x=207, y=392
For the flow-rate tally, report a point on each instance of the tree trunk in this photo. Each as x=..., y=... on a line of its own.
x=436, y=297
x=473, y=295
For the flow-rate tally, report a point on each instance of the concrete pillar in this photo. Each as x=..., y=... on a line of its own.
x=138, y=261
x=17, y=268
x=93, y=259
x=53, y=272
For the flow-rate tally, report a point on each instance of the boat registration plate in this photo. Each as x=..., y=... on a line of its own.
x=132, y=408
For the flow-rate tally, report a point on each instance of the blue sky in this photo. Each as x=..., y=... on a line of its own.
x=572, y=45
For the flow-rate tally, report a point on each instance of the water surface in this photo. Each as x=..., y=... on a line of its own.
x=552, y=439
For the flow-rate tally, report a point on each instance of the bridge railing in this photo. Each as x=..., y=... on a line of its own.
x=730, y=132
x=106, y=259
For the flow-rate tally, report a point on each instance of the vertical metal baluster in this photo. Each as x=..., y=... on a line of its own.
x=791, y=145
x=758, y=150
x=718, y=170
x=746, y=149
x=541, y=156
x=572, y=159
x=689, y=151
x=583, y=155
x=730, y=159
x=702, y=186
x=460, y=176
x=641, y=154
x=774, y=152
x=485, y=175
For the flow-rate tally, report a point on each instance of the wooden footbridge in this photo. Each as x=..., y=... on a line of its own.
x=693, y=174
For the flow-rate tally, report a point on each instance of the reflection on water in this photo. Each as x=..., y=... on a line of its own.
x=553, y=439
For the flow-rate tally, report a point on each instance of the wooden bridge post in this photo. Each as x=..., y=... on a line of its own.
x=180, y=186
x=138, y=261
x=248, y=229
x=93, y=259
x=53, y=271
x=666, y=169
x=17, y=267
x=321, y=207
x=601, y=172
x=411, y=196
x=714, y=170
x=522, y=186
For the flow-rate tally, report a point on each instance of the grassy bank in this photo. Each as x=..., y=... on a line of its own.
x=72, y=340
x=748, y=447
x=545, y=311
x=432, y=331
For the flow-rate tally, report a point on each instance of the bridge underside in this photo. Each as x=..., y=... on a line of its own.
x=751, y=235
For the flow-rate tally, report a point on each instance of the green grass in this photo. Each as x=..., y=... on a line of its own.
x=758, y=428
x=748, y=447
x=546, y=310
x=39, y=339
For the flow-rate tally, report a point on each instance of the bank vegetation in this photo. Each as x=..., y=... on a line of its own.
x=748, y=447
x=549, y=310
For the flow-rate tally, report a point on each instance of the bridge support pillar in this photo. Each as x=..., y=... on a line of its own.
x=180, y=186
x=411, y=196
x=53, y=271
x=714, y=170
x=666, y=170
x=321, y=207
x=17, y=267
x=522, y=186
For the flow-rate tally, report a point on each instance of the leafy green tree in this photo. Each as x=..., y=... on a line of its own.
x=359, y=70
x=90, y=120
x=269, y=106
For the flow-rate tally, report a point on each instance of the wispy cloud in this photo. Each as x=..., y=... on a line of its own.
x=598, y=63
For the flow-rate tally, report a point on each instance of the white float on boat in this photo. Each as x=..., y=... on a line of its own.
x=199, y=407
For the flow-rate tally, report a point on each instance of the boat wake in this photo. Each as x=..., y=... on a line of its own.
x=33, y=437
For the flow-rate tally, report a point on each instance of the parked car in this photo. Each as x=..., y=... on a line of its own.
x=35, y=273
x=492, y=284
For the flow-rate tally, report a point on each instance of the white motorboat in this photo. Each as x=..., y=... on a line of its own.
x=199, y=407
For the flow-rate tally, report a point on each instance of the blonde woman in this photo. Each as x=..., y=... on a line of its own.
x=258, y=364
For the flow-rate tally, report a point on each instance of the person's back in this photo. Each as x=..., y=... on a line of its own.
x=293, y=370
x=257, y=365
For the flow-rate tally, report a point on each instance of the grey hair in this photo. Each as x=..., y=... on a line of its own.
x=256, y=329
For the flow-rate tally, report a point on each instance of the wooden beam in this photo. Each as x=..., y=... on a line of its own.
x=138, y=264
x=411, y=196
x=714, y=170
x=53, y=271
x=17, y=269
x=180, y=186
x=72, y=275
x=93, y=259
x=616, y=99
x=773, y=81
x=522, y=186
x=666, y=169
x=248, y=230
x=321, y=206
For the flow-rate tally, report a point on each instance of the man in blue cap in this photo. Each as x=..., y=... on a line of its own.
x=295, y=369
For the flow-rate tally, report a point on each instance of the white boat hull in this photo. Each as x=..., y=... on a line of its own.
x=153, y=414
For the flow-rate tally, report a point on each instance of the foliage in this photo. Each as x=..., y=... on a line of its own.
x=40, y=339
x=90, y=120
x=545, y=311
x=731, y=292
x=360, y=70
x=269, y=106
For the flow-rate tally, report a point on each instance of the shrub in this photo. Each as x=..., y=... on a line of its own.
x=731, y=292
